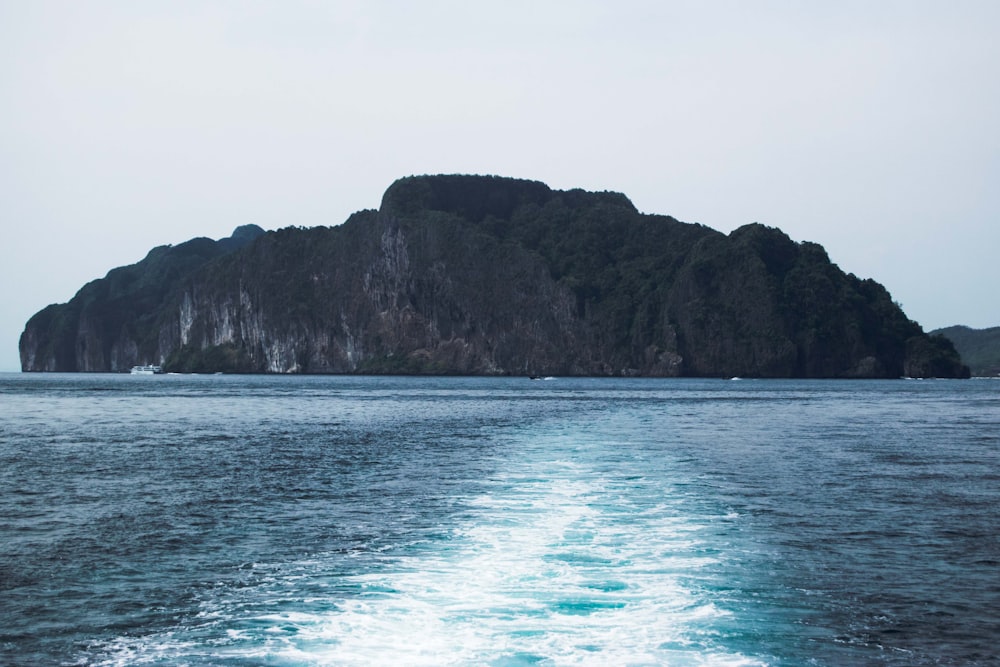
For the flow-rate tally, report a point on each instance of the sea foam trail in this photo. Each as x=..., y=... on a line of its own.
x=559, y=563
x=569, y=555
x=249, y=520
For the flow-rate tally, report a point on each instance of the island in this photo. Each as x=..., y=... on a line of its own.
x=486, y=275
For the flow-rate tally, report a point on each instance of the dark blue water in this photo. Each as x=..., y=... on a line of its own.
x=224, y=520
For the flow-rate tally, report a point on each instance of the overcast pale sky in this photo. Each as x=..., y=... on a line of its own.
x=870, y=127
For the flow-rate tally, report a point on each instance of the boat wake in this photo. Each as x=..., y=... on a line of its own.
x=560, y=561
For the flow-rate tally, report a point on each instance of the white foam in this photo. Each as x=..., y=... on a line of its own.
x=559, y=562
x=545, y=570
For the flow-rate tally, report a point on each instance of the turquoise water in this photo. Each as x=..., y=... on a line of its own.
x=258, y=520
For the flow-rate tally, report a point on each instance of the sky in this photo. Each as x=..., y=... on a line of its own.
x=871, y=128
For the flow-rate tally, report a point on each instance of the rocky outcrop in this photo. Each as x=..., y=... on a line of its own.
x=484, y=275
x=117, y=322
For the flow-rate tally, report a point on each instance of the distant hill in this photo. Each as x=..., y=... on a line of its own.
x=979, y=348
x=490, y=275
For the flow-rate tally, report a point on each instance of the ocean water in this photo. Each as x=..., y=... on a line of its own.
x=258, y=520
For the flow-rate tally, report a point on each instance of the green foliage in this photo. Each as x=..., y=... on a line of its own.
x=472, y=198
x=979, y=348
x=225, y=358
x=613, y=259
x=933, y=356
x=460, y=258
x=402, y=364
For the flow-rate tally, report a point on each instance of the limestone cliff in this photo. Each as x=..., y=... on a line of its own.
x=113, y=323
x=486, y=275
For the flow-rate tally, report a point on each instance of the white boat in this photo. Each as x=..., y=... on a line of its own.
x=146, y=370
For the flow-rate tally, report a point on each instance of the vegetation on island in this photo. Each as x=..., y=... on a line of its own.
x=980, y=348
x=490, y=275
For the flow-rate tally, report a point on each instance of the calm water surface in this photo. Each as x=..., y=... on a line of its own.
x=226, y=520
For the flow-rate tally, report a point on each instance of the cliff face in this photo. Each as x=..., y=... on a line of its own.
x=114, y=323
x=483, y=275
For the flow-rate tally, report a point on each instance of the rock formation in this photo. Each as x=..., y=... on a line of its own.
x=488, y=275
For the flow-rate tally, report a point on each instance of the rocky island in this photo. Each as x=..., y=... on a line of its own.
x=489, y=275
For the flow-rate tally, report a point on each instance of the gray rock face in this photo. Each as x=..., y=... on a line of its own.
x=483, y=275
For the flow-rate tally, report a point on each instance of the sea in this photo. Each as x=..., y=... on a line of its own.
x=350, y=520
